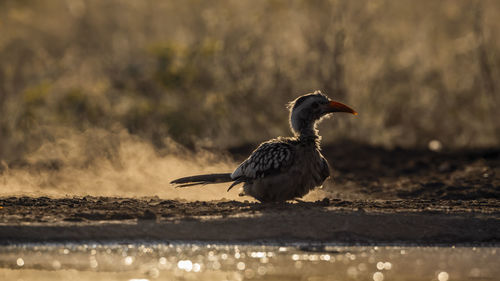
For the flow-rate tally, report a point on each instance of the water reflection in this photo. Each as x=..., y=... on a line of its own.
x=245, y=262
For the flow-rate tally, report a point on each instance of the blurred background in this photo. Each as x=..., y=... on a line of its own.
x=217, y=74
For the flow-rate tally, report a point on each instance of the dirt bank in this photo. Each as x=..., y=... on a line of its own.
x=109, y=219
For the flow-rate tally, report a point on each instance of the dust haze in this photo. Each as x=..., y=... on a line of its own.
x=97, y=162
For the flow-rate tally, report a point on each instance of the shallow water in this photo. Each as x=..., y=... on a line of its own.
x=133, y=262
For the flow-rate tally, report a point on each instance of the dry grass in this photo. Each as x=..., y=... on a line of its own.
x=223, y=70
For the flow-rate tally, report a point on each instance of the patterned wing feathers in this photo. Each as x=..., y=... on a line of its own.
x=270, y=157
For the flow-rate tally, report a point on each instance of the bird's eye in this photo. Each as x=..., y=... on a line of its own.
x=314, y=105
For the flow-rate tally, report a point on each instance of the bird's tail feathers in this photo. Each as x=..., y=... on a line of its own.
x=235, y=183
x=202, y=179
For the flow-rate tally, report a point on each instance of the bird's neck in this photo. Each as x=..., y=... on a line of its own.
x=304, y=129
x=308, y=134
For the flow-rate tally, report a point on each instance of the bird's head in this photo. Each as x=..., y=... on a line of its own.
x=307, y=109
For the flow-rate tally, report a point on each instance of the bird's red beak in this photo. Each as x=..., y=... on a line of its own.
x=334, y=106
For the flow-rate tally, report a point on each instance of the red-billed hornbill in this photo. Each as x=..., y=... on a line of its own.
x=284, y=168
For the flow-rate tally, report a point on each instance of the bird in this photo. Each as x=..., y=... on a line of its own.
x=284, y=168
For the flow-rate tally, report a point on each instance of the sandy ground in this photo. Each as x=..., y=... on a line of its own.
x=375, y=196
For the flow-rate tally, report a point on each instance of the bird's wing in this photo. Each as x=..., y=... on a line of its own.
x=270, y=157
